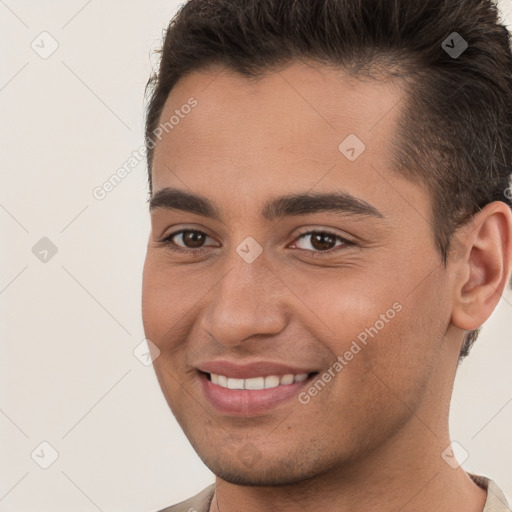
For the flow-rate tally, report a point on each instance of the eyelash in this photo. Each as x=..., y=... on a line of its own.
x=167, y=241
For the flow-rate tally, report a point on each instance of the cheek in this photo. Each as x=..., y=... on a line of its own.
x=342, y=305
x=169, y=298
x=398, y=361
x=159, y=305
x=378, y=323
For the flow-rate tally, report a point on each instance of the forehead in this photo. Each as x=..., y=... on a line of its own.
x=303, y=98
x=277, y=132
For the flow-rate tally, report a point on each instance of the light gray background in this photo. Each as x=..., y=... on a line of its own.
x=68, y=375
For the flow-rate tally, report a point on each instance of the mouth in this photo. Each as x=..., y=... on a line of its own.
x=257, y=383
x=254, y=396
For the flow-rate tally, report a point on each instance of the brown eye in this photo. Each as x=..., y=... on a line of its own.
x=322, y=244
x=320, y=241
x=192, y=239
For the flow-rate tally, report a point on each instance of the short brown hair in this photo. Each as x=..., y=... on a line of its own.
x=455, y=134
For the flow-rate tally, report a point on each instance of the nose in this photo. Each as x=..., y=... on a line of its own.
x=248, y=301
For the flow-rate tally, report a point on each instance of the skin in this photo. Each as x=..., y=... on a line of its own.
x=372, y=439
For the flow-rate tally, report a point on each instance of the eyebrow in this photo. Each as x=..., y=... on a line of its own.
x=282, y=206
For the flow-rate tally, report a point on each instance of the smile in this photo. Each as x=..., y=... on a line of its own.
x=255, y=383
x=252, y=396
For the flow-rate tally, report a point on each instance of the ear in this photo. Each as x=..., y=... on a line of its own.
x=483, y=267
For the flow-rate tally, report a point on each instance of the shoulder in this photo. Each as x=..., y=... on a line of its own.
x=197, y=503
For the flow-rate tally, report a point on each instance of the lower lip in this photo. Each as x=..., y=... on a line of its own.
x=249, y=402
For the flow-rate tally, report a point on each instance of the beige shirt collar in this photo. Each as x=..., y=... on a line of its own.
x=496, y=500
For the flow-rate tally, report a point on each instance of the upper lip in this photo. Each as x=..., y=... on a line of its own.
x=249, y=370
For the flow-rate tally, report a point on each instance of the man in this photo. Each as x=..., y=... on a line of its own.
x=331, y=225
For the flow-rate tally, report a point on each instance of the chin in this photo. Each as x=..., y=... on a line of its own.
x=248, y=477
x=266, y=470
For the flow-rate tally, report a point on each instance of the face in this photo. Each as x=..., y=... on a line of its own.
x=343, y=283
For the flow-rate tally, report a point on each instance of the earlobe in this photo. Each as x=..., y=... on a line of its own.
x=485, y=269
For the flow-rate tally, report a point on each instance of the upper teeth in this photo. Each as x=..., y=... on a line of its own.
x=271, y=381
